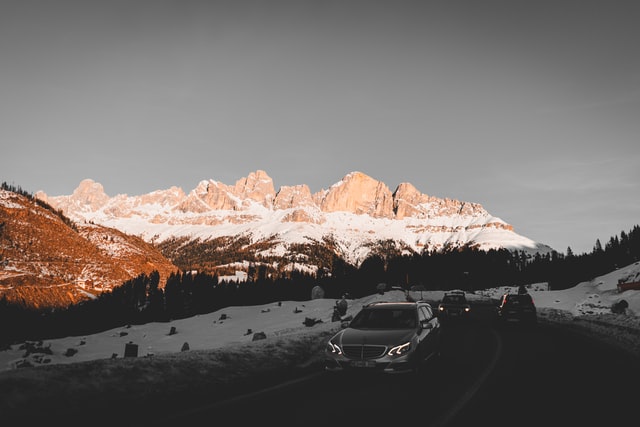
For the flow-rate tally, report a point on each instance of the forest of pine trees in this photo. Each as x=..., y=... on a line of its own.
x=141, y=300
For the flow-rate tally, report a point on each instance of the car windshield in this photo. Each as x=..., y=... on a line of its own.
x=387, y=318
x=453, y=299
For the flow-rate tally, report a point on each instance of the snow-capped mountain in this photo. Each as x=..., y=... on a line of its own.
x=355, y=216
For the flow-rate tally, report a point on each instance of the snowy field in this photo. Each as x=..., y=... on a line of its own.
x=585, y=307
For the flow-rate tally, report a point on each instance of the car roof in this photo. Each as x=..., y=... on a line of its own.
x=395, y=304
x=517, y=295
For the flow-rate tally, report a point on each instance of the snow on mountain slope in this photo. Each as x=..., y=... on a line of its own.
x=356, y=213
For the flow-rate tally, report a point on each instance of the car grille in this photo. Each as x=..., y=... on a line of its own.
x=364, y=351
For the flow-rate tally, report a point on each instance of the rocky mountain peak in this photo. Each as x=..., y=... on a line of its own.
x=356, y=193
x=407, y=201
x=90, y=193
x=213, y=195
x=167, y=197
x=257, y=186
x=360, y=194
x=208, y=195
x=289, y=197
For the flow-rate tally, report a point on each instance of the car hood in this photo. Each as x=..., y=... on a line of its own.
x=351, y=336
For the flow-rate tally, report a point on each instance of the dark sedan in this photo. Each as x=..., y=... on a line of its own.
x=391, y=337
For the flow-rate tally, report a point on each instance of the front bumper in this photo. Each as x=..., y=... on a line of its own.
x=385, y=364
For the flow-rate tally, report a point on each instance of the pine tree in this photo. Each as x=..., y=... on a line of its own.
x=598, y=247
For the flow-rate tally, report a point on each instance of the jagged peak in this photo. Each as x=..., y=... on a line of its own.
x=356, y=192
x=88, y=185
x=353, y=176
x=257, y=185
x=294, y=196
x=406, y=187
x=360, y=194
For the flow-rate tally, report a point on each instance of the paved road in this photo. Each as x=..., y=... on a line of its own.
x=488, y=375
x=547, y=376
x=361, y=400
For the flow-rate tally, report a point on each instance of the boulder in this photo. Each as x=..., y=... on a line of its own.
x=259, y=336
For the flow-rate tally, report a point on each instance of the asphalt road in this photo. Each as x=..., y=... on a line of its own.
x=364, y=399
x=488, y=375
x=547, y=376
x=432, y=397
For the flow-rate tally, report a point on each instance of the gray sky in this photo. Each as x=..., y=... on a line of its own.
x=531, y=108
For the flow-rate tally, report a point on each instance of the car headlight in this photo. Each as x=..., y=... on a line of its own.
x=467, y=309
x=441, y=307
x=334, y=349
x=399, y=350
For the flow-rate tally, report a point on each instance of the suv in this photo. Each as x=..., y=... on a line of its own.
x=454, y=305
x=517, y=307
x=388, y=337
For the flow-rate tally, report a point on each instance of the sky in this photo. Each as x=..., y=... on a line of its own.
x=530, y=108
x=285, y=321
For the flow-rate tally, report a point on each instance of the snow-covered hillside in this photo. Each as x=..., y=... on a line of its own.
x=587, y=305
x=354, y=234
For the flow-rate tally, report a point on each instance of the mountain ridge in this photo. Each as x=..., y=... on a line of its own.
x=356, y=192
x=358, y=214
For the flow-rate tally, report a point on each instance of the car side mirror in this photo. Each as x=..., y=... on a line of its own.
x=425, y=324
x=344, y=324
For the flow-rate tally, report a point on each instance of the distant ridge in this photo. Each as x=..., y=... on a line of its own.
x=354, y=218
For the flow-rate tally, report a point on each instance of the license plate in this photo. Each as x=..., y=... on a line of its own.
x=363, y=364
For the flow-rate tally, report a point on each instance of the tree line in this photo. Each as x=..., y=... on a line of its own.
x=185, y=294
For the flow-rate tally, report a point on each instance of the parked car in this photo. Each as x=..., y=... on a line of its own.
x=387, y=337
x=454, y=306
x=517, y=307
